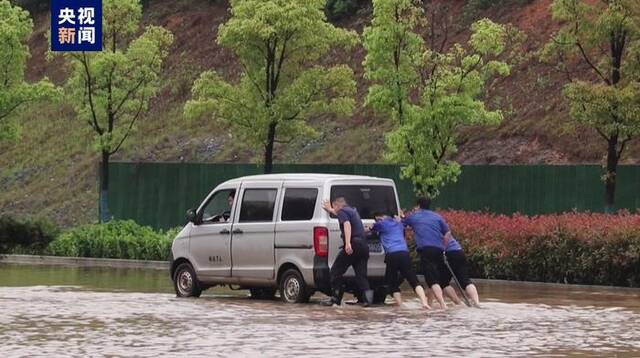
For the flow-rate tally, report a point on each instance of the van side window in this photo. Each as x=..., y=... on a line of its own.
x=218, y=209
x=257, y=205
x=299, y=204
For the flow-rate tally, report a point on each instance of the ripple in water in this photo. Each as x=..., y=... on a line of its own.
x=66, y=321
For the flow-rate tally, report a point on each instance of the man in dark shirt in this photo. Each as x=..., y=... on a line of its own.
x=460, y=266
x=354, y=253
x=397, y=258
x=432, y=235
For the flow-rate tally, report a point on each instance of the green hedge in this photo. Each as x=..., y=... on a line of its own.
x=562, y=258
x=120, y=239
x=579, y=248
x=25, y=237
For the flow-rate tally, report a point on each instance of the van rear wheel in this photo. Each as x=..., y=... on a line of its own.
x=185, y=281
x=293, y=289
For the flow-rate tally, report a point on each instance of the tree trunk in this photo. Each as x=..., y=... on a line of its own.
x=610, y=176
x=104, y=187
x=268, y=149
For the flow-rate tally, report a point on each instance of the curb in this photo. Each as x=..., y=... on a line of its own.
x=83, y=262
x=552, y=284
x=164, y=265
x=489, y=281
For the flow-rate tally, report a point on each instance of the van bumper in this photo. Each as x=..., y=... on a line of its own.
x=171, y=268
x=321, y=276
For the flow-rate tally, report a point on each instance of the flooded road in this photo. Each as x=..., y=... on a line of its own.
x=80, y=312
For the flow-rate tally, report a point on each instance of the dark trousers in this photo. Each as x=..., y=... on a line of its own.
x=399, y=268
x=458, y=262
x=358, y=260
x=432, y=264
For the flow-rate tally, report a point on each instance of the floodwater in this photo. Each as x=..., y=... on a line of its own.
x=81, y=312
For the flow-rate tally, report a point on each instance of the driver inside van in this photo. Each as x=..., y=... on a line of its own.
x=226, y=215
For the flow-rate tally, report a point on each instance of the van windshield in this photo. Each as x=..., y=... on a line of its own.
x=368, y=199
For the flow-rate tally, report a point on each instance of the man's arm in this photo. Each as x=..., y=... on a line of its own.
x=373, y=227
x=406, y=220
x=347, y=238
x=446, y=238
x=328, y=208
x=446, y=232
x=399, y=217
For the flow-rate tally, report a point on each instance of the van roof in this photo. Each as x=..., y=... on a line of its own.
x=305, y=177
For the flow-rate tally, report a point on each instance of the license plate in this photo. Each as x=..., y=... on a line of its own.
x=375, y=246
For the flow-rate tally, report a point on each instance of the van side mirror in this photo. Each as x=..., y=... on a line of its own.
x=191, y=216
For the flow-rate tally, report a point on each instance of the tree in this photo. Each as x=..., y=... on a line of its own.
x=15, y=29
x=279, y=44
x=111, y=89
x=337, y=9
x=601, y=40
x=428, y=88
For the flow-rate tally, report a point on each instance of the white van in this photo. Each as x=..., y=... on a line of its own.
x=269, y=232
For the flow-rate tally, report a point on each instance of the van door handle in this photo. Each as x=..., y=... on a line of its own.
x=237, y=231
x=225, y=231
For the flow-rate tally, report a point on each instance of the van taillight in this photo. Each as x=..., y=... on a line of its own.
x=321, y=241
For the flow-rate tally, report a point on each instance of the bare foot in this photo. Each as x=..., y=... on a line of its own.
x=426, y=306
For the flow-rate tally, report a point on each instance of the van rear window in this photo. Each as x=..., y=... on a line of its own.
x=368, y=199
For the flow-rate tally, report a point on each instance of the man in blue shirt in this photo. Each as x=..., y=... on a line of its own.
x=431, y=235
x=460, y=266
x=354, y=253
x=399, y=266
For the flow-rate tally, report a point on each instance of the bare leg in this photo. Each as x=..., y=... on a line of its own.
x=398, y=298
x=430, y=296
x=423, y=297
x=472, y=292
x=451, y=293
x=437, y=291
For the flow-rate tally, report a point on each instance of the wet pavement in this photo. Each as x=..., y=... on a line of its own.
x=80, y=312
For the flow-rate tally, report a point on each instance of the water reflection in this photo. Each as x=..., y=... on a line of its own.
x=86, y=319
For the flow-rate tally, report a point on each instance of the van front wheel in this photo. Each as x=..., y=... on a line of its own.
x=293, y=289
x=185, y=281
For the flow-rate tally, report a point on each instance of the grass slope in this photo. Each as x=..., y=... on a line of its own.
x=51, y=170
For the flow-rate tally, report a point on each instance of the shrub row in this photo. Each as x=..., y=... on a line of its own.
x=581, y=248
x=25, y=237
x=116, y=239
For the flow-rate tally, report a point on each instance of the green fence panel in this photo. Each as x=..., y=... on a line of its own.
x=158, y=194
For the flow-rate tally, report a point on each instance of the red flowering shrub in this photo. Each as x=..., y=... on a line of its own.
x=584, y=248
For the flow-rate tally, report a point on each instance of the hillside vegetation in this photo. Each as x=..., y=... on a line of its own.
x=51, y=170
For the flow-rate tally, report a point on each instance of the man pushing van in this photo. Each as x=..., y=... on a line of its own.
x=459, y=266
x=399, y=266
x=432, y=236
x=354, y=253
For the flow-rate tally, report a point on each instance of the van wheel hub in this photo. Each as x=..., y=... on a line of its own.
x=185, y=282
x=292, y=289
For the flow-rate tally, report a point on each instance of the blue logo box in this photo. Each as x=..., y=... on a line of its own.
x=76, y=25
